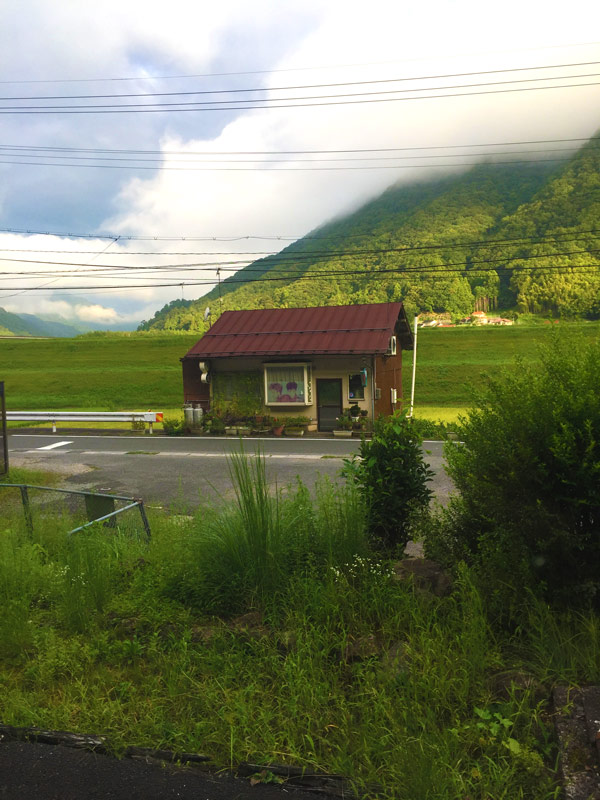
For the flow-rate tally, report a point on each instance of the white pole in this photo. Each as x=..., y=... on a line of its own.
x=414, y=370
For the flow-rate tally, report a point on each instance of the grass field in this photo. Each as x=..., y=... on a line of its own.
x=138, y=372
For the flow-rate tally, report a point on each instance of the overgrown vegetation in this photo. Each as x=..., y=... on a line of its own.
x=391, y=477
x=335, y=665
x=527, y=511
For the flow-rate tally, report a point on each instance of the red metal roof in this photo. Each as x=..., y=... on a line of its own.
x=304, y=331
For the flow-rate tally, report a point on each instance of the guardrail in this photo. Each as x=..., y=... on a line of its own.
x=85, y=416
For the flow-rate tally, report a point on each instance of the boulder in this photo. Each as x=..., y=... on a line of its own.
x=427, y=575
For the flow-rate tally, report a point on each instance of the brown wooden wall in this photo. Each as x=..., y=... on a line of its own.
x=194, y=391
x=388, y=375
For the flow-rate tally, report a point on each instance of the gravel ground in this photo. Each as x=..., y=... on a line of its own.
x=32, y=771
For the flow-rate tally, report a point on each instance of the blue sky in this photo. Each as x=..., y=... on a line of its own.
x=67, y=48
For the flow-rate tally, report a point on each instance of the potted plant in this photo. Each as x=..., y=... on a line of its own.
x=344, y=426
x=354, y=411
x=278, y=427
x=297, y=426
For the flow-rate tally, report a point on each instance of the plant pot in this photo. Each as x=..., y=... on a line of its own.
x=294, y=431
x=243, y=430
x=339, y=434
x=231, y=430
x=278, y=430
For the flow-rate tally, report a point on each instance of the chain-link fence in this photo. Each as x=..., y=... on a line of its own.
x=74, y=511
x=3, y=435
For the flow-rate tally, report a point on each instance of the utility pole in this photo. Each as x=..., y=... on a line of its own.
x=414, y=370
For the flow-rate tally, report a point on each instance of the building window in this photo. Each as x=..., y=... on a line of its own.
x=287, y=384
x=356, y=389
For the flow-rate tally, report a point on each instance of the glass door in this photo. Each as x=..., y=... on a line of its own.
x=329, y=402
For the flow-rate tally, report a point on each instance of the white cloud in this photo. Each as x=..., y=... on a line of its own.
x=406, y=40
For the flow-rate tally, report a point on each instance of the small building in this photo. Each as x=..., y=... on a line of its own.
x=301, y=361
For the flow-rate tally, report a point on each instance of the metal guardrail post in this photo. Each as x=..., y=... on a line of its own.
x=26, y=508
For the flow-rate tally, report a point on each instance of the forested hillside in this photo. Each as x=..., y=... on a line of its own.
x=31, y=325
x=520, y=237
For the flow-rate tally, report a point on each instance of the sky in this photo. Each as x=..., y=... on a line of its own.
x=205, y=177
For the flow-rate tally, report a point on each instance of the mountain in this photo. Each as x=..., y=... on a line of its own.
x=439, y=246
x=31, y=325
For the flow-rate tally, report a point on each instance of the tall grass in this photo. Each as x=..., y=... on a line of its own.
x=341, y=667
x=245, y=555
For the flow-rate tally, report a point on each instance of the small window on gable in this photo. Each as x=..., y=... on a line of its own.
x=356, y=389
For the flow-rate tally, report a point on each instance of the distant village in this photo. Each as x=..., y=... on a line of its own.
x=476, y=318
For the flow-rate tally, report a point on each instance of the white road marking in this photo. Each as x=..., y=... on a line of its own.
x=52, y=446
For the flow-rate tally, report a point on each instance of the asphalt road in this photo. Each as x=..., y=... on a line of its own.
x=185, y=471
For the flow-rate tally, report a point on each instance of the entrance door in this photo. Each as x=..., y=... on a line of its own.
x=329, y=402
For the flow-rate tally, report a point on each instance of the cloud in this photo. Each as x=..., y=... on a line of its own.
x=135, y=38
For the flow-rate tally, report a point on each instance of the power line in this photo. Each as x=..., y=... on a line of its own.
x=161, y=161
x=463, y=266
x=301, y=69
x=290, y=69
x=307, y=254
x=301, y=257
x=472, y=243
x=288, y=169
x=219, y=105
x=316, y=85
x=294, y=152
x=433, y=271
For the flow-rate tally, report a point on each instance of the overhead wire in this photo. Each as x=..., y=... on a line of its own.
x=275, y=103
x=290, y=69
x=295, y=152
x=273, y=260
x=263, y=164
x=323, y=85
x=434, y=271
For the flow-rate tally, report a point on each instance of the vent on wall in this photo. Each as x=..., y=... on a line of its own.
x=393, y=346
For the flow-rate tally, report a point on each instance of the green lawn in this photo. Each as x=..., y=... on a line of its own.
x=105, y=373
x=451, y=362
x=139, y=372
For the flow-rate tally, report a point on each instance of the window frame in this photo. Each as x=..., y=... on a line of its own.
x=357, y=375
x=307, y=377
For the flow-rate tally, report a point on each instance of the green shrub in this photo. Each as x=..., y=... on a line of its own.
x=528, y=477
x=392, y=477
x=173, y=426
x=429, y=428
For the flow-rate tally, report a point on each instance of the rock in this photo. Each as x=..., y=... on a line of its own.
x=394, y=660
x=505, y=683
x=576, y=735
x=360, y=648
x=428, y=575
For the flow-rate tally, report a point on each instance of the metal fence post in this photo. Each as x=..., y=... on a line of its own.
x=4, y=465
x=145, y=522
x=26, y=508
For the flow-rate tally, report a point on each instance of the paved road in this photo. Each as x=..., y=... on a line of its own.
x=185, y=470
